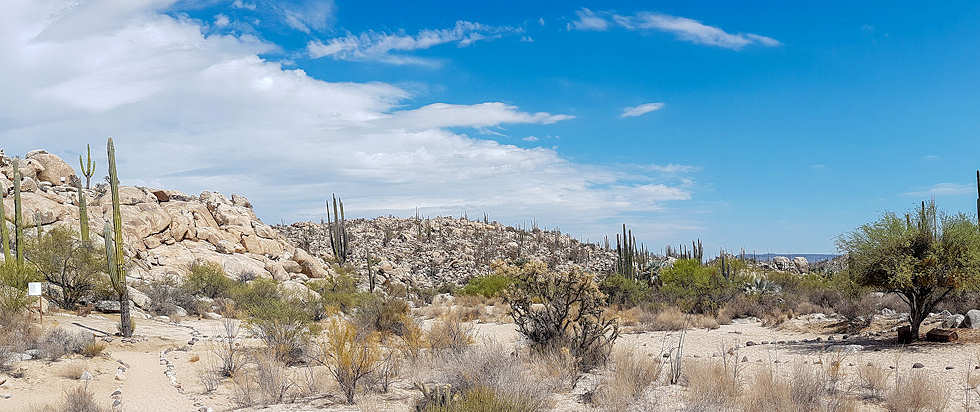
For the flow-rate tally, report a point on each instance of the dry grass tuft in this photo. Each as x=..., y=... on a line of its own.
x=73, y=370
x=556, y=366
x=633, y=373
x=917, y=392
x=76, y=399
x=450, y=335
x=767, y=392
x=874, y=378
x=710, y=386
x=93, y=349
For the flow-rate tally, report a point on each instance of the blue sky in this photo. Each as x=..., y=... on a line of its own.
x=771, y=127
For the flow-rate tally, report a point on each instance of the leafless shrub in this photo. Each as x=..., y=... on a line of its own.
x=274, y=379
x=807, y=385
x=209, y=379
x=228, y=351
x=492, y=367
x=58, y=342
x=556, y=366
x=450, y=335
x=311, y=380
x=387, y=370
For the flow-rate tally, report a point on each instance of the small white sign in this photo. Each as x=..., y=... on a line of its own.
x=34, y=289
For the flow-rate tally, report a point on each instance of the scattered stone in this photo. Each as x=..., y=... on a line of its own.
x=971, y=320
x=86, y=376
x=6, y=396
x=749, y=343
x=942, y=335
x=212, y=316
x=918, y=365
x=107, y=306
x=745, y=359
x=954, y=321
x=949, y=368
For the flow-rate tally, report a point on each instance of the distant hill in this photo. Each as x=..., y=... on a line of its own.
x=810, y=257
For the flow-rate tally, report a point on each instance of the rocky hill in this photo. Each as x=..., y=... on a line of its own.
x=437, y=251
x=164, y=231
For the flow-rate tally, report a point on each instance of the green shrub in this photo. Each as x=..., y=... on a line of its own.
x=695, y=288
x=255, y=293
x=18, y=276
x=283, y=325
x=489, y=286
x=69, y=265
x=622, y=290
x=381, y=314
x=339, y=293
x=478, y=399
x=208, y=279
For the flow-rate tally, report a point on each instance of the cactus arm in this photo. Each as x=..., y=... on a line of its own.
x=18, y=223
x=82, y=214
x=3, y=226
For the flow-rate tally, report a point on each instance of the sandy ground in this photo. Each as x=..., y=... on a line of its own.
x=146, y=387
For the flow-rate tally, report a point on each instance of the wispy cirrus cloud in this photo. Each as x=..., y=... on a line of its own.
x=640, y=110
x=381, y=47
x=684, y=28
x=942, y=189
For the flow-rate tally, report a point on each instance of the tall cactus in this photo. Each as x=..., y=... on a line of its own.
x=338, y=231
x=626, y=254
x=88, y=168
x=119, y=279
x=82, y=212
x=4, y=238
x=18, y=215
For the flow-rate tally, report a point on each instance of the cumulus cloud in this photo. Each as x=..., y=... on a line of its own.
x=684, y=28
x=379, y=46
x=641, y=110
x=942, y=189
x=204, y=112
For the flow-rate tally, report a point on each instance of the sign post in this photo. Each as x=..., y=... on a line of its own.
x=34, y=289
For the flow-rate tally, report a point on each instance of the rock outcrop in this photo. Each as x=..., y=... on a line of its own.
x=429, y=253
x=164, y=231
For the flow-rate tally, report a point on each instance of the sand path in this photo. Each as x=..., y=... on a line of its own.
x=147, y=388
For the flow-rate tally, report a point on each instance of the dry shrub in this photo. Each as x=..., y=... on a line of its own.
x=59, y=342
x=93, y=349
x=874, y=378
x=194, y=358
x=449, y=335
x=73, y=370
x=209, y=380
x=388, y=369
x=412, y=342
x=228, y=352
x=477, y=399
x=917, y=392
x=75, y=399
x=555, y=366
x=834, y=370
x=710, y=386
x=349, y=355
x=274, y=379
x=492, y=367
x=669, y=319
x=633, y=373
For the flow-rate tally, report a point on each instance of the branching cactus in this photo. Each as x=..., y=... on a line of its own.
x=88, y=167
x=338, y=231
x=116, y=265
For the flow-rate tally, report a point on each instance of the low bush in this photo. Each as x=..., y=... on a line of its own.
x=382, y=314
x=570, y=313
x=69, y=265
x=478, y=399
x=283, y=326
x=167, y=295
x=76, y=399
x=208, y=279
x=93, y=349
x=710, y=386
x=59, y=342
x=696, y=288
x=338, y=294
x=488, y=286
x=449, y=335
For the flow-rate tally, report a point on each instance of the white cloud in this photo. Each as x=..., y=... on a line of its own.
x=220, y=20
x=378, y=46
x=197, y=112
x=588, y=20
x=239, y=4
x=684, y=28
x=943, y=189
x=641, y=110
x=306, y=16
x=531, y=139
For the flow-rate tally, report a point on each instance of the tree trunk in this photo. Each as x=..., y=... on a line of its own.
x=917, y=313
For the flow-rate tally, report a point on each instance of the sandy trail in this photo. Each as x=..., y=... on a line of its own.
x=147, y=388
